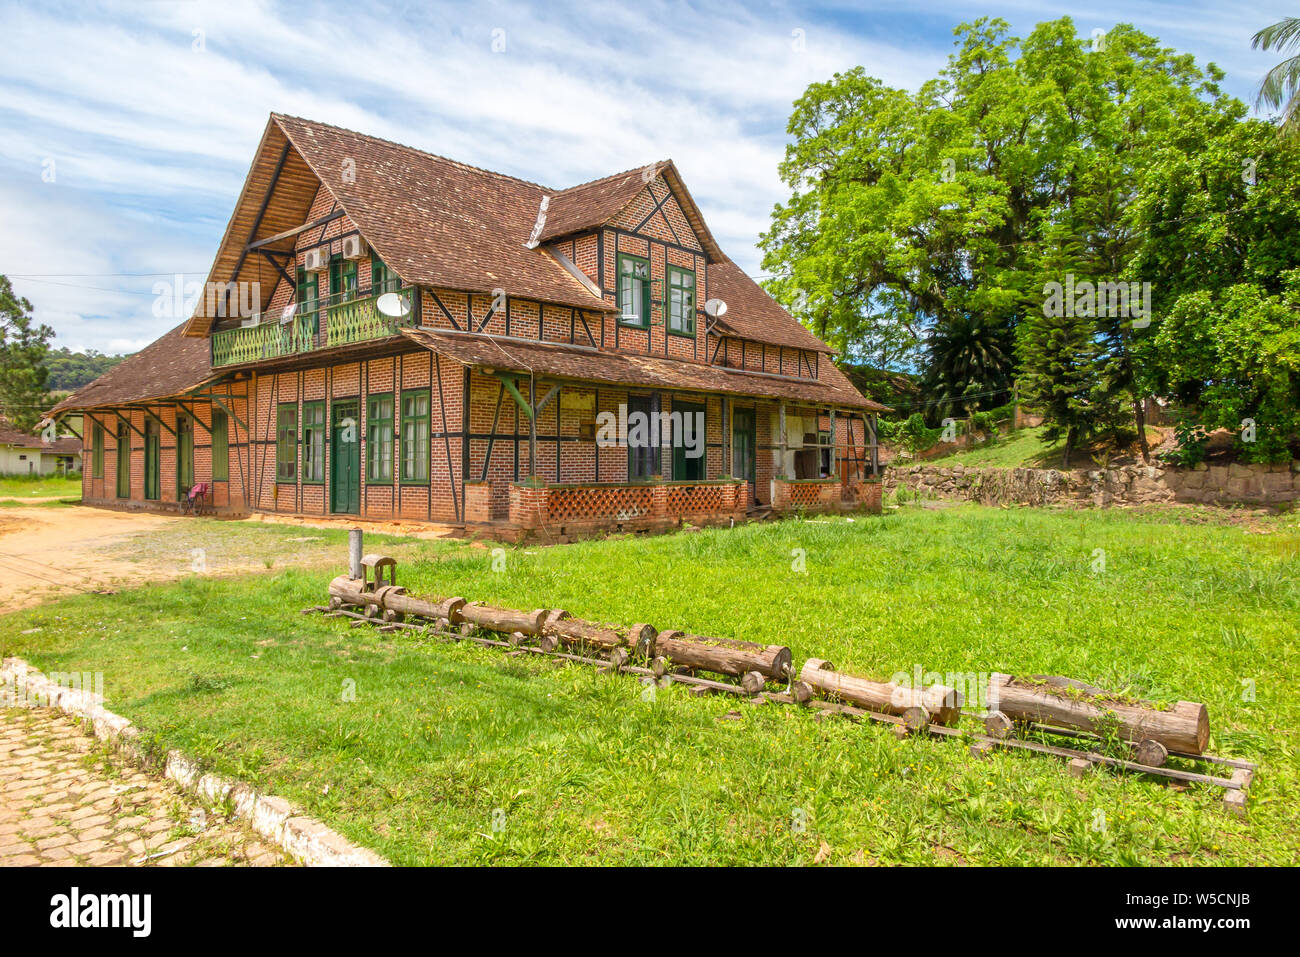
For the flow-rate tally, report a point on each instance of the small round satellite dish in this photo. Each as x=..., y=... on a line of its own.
x=715, y=308
x=391, y=304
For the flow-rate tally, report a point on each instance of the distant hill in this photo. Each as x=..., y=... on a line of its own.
x=71, y=370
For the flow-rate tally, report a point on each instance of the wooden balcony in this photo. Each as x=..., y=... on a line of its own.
x=350, y=321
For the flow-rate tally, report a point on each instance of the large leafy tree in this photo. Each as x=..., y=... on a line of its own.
x=952, y=207
x=24, y=345
x=1221, y=243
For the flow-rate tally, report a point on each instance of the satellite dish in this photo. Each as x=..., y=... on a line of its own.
x=391, y=304
x=715, y=308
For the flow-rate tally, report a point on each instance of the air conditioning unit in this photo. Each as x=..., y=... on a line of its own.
x=316, y=260
x=354, y=247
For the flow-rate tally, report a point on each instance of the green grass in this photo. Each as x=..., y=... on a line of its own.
x=444, y=739
x=39, y=486
x=1023, y=448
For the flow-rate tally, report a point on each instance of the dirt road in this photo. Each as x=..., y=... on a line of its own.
x=53, y=551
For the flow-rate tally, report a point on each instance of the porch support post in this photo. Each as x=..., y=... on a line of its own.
x=875, y=450
x=781, y=415
x=834, y=444
x=727, y=464
x=532, y=425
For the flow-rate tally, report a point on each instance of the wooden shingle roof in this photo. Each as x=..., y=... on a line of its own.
x=561, y=360
x=168, y=366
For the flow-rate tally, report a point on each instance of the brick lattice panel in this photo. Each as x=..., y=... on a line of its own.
x=696, y=499
x=584, y=504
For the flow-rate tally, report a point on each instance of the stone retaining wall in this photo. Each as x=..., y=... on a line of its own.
x=1124, y=485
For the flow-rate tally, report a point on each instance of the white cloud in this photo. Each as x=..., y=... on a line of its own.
x=153, y=138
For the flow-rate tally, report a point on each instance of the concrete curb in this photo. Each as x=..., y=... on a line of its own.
x=305, y=839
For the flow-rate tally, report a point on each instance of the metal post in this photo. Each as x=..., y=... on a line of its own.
x=354, y=553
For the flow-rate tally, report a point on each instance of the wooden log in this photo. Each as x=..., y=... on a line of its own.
x=502, y=619
x=726, y=656
x=1151, y=753
x=1184, y=727
x=997, y=725
x=942, y=704
x=639, y=639
x=752, y=682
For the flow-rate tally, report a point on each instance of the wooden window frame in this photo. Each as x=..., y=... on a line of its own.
x=281, y=459
x=644, y=321
x=313, y=450
x=427, y=418
x=689, y=314
x=374, y=422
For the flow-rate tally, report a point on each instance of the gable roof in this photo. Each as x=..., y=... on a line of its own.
x=593, y=204
x=435, y=221
x=753, y=314
x=168, y=366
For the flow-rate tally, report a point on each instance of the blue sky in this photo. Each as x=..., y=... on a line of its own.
x=126, y=129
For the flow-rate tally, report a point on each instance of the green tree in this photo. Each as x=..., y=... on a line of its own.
x=1280, y=88
x=969, y=365
x=23, y=348
x=935, y=209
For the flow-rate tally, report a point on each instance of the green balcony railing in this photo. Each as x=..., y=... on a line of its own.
x=358, y=320
x=353, y=320
x=267, y=340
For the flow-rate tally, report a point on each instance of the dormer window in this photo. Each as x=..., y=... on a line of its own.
x=681, y=301
x=634, y=291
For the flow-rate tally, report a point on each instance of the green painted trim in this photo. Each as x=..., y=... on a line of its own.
x=403, y=419
x=372, y=421
x=315, y=404
x=645, y=292
x=668, y=297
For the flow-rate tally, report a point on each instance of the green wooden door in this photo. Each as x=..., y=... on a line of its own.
x=688, y=463
x=345, y=458
x=151, y=458
x=123, y=460
x=744, y=438
x=184, y=454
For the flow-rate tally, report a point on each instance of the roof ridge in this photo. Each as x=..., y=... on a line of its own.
x=657, y=164
x=415, y=149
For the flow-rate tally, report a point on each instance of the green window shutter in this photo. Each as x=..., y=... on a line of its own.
x=681, y=301
x=634, y=291
x=97, y=454
x=313, y=442
x=415, y=437
x=286, y=443
x=220, y=446
x=379, y=439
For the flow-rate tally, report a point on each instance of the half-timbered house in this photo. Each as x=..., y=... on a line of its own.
x=387, y=333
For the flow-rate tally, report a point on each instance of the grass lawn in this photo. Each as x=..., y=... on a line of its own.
x=1023, y=448
x=455, y=754
x=39, y=486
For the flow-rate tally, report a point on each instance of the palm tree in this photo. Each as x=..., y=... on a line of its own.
x=1281, y=87
x=968, y=364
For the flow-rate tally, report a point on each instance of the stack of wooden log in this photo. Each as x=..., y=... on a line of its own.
x=1057, y=703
